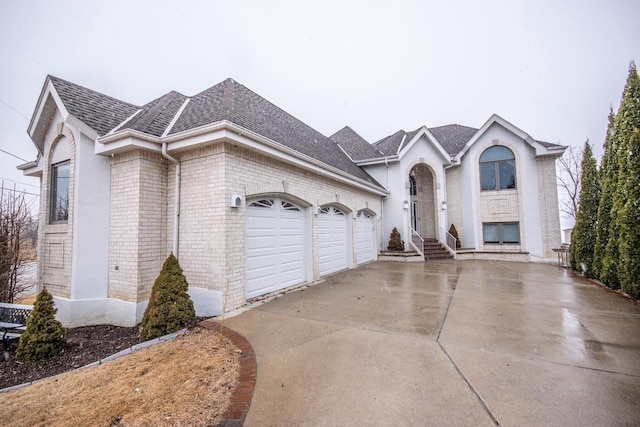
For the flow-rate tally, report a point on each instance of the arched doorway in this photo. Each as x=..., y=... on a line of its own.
x=423, y=201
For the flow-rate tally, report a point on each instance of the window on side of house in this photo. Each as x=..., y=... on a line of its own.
x=501, y=233
x=497, y=169
x=59, y=209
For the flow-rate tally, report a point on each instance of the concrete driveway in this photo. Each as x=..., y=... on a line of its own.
x=446, y=343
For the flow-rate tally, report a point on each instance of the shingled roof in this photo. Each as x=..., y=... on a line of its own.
x=453, y=137
x=100, y=112
x=156, y=116
x=228, y=100
x=354, y=145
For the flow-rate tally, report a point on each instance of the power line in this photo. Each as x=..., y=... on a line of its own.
x=17, y=112
x=18, y=182
x=18, y=191
x=19, y=158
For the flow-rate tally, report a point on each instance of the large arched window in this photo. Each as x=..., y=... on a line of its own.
x=497, y=169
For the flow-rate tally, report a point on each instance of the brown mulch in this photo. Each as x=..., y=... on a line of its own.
x=84, y=346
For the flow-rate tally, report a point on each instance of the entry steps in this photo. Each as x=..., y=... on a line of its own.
x=433, y=250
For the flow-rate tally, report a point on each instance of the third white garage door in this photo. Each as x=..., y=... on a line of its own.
x=332, y=240
x=275, y=246
x=365, y=237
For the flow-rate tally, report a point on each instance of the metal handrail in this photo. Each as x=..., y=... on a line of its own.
x=450, y=241
x=414, y=235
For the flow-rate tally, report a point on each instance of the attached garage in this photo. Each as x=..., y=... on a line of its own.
x=365, y=237
x=275, y=246
x=332, y=240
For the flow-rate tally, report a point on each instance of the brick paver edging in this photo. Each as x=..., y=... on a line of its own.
x=242, y=395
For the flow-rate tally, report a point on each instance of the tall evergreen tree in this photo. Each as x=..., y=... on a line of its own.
x=629, y=189
x=608, y=178
x=629, y=266
x=584, y=233
x=626, y=122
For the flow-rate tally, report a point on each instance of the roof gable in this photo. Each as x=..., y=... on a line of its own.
x=413, y=137
x=540, y=148
x=100, y=112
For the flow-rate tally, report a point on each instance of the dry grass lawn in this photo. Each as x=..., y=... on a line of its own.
x=186, y=381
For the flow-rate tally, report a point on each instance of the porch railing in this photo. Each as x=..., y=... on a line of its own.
x=450, y=241
x=417, y=241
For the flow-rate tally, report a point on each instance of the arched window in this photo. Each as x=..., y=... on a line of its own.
x=413, y=188
x=497, y=169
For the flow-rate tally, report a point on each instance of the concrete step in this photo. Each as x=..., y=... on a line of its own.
x=433, y=250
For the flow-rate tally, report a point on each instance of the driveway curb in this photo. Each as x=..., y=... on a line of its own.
x=243, y=394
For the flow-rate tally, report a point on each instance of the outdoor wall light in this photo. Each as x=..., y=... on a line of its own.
x=236, y=201
x=405, y=204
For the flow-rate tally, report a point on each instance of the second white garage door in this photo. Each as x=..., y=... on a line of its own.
x=275, y=246
x=332, y=240
x=365, y=237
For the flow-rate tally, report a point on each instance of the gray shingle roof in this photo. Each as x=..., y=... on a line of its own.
x=228, y=100
x=453, y=137
x=389, y=144
x=100, y=112
x=156, y=116
x=232, y=101
x=355, y=145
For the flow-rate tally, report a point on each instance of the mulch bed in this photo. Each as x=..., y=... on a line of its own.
x=84, y=346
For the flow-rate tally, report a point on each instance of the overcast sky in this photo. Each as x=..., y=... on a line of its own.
x=552, y=68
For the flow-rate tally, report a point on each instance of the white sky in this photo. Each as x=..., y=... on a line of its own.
x=552, y=68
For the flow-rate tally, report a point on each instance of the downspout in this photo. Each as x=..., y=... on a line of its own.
x=176, y=213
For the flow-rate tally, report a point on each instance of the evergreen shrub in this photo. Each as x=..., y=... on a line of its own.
x=170, y=307
x=454, y=233
x=395, y=242
x=44, y=337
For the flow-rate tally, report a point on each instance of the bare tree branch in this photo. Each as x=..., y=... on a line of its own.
x=569, y=181
x=16, y=225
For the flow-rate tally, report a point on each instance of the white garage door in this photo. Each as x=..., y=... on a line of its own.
x=365, y=237
x=332, y=240
x=275, y=246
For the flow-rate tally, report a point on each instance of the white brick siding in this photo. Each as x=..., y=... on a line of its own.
x=212, y=234
x=548, y=202
x=138, y=212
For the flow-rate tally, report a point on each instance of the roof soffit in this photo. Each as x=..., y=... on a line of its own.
x=48, y=102
x=128, y=139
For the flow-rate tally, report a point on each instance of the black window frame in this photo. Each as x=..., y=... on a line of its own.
x=54, y=211
x=497, y=164
x=500, y=226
